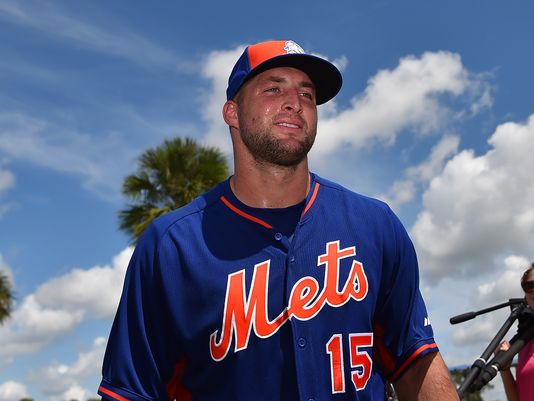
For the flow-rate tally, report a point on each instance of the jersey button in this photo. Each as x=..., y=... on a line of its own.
x=278, y=236
x=301, y=342
x=292, y=258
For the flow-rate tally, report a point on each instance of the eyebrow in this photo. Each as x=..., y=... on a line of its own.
x=280, y=79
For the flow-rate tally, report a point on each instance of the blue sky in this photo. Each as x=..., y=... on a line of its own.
x=436, y=116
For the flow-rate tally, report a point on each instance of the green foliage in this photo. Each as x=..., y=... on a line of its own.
x=6, y=298
x=458, y=377
x=169, y=176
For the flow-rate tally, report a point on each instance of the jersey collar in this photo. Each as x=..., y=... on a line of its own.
x=236, y=206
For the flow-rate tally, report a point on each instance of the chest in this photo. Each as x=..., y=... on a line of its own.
x=261, y=280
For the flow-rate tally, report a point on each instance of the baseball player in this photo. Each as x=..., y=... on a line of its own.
x=276, y=285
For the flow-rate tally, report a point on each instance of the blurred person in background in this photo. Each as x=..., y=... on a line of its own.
x=521, y=388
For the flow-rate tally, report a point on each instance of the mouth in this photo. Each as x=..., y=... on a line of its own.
x=292, y=122
x=288, y=125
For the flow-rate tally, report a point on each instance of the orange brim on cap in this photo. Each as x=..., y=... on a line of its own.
x=285, y=53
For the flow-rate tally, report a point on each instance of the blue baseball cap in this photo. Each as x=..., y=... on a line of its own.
x=285, y=53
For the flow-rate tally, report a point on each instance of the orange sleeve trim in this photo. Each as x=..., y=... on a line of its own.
x=245, y=215
x=384, y=357
x=312, y=198
x=175, y=388
x=112, y=394
x=412, y=357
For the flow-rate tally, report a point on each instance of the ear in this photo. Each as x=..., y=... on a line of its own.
x=230, y=112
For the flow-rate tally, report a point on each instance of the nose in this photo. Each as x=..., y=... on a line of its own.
x=292, y=101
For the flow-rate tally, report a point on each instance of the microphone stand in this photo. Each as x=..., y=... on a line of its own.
x=480, y=363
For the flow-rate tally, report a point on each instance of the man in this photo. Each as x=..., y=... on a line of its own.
x=276, y=284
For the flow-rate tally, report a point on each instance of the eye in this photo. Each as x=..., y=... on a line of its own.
x=273, y=89
x=308, y=95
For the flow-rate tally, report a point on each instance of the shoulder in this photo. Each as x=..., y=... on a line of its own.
x=334, y=192
x=370, y=215
x=187, y=217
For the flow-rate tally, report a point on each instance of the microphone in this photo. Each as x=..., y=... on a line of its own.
x=525, y=333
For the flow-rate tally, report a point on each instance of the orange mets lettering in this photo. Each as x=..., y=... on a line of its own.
x=242, y=315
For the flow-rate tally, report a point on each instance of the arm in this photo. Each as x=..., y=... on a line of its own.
x=509, y=385
x=507, y=378
x=143, y=347
x=427, y=379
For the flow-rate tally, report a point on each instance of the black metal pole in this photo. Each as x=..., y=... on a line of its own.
x=480, y=363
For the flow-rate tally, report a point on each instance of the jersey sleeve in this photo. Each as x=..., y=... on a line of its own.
x=402, y=327
x=143, y=348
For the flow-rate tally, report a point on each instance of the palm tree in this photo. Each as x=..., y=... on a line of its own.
x=169, y=176
x=6, y=297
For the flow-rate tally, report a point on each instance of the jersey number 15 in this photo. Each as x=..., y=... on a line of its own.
x=360, y=361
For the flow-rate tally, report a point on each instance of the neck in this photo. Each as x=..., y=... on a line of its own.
x=271, y=186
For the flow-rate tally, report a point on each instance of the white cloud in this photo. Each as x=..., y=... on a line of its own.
x=484, y=329
x=61, y=381
x=32, y=325
x=403, y=191
x=217, y=67
x=56, y=147
x=7, y=181
x=480, y=207
x=446, y=147
x=100, y=159
x=75, y=392
x=62, y=303
x=12, y=391
x=494, y=290
x=506, y=285
x=29, y=138
x=485, y=98
x=95, y=291
x=413, y=95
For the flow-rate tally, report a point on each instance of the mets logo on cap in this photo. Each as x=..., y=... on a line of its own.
x=292, y=48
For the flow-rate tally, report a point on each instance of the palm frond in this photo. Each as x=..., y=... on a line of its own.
x=6, y=298
x=169, y=176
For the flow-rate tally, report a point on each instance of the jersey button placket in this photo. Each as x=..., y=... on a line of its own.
x=301, y=335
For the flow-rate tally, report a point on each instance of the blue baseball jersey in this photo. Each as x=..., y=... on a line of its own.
x=219, y=304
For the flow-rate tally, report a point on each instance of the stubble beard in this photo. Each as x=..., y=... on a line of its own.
x=266, y=149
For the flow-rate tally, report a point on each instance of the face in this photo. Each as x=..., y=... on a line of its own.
x=277, y=116
x=529, y=294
